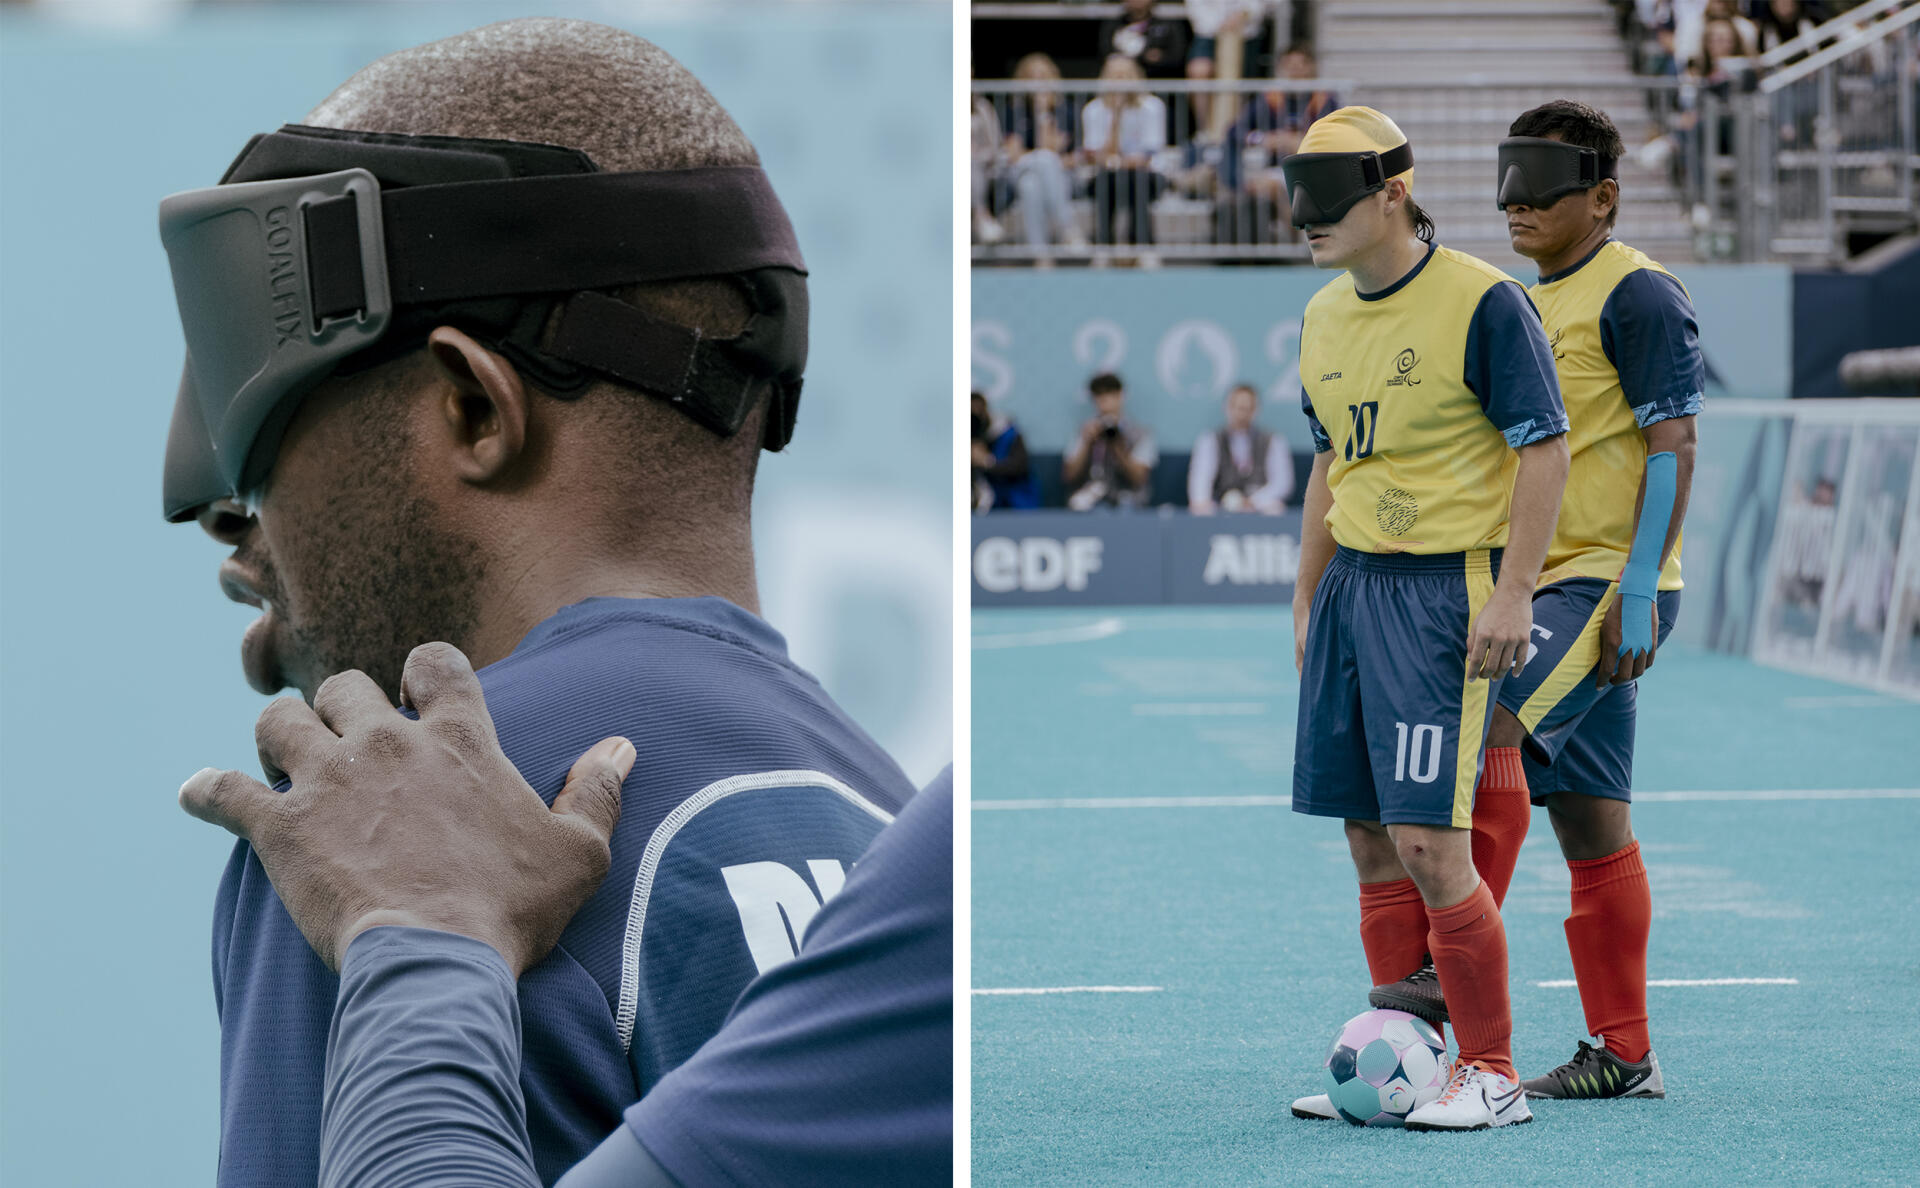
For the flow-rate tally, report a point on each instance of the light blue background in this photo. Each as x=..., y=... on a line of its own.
x=119, y=655
x=1181, y=337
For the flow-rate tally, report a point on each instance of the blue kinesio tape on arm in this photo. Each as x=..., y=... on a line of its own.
x=1641, y=579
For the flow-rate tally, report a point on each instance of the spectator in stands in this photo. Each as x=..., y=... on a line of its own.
x=1268, y=129
x=1227, y=37
x=1110, y=463
x=1121, y=132
x=1002, y=475
x=986, y=151
x=1158, y=46
x=1780, y=21
x=1240, y=466
x=1039, y=135
x=1747, y=32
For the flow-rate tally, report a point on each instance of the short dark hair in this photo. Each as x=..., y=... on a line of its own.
x=1582, y=125
x=1423, y=228
x=1104, y=383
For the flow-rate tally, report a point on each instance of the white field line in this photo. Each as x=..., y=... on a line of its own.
x=1569, y=983
x=1199, y=709
x=1847, y=701
x=1182, y=802
x=1071, y=990
x=1107, y=802
x=1785, y=794
x=1085, y=632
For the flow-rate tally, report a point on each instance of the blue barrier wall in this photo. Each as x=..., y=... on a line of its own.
x=1052, y=558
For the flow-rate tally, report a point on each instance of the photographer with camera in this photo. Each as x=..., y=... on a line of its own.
x=1002, y=475
x=1111, y=463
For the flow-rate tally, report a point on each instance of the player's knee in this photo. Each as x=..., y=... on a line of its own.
x=1507, y=730
x=1373, y=852
x=1589, y=827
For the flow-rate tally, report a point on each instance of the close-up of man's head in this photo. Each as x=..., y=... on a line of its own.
x=1350, y=187
x=1558, y=177
x=528, y=289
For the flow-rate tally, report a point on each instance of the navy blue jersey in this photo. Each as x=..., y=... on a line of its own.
x=837, y=1068
x=751, y=795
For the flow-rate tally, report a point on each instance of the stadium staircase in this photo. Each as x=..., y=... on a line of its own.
x=1454, y=73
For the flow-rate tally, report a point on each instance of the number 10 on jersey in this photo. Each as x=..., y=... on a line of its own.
x=1366, y=417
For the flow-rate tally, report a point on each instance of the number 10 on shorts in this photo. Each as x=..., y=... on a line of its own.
x=1416, y=752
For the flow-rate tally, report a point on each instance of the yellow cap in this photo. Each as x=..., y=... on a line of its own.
x=1356, y=130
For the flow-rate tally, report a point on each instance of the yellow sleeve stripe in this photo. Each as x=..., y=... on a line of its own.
x=1573, y=667
x=1473, y=698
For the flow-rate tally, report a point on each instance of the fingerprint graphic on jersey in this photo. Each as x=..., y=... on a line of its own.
x=1396, y=511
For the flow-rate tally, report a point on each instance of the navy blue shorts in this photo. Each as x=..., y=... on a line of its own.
x=1579, y=738
x=1385, y=703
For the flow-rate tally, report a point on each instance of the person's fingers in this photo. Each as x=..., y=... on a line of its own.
x=1502, y=661
x=438, y=676
x=234, y=801
x=592, y=793
x=349, y=700
x=439, y=683
x=288, y=733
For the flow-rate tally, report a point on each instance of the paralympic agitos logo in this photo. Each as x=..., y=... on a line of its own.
x=283, y=276
x=1403, y=365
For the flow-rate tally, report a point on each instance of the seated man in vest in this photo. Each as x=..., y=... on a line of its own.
x=1240, y=467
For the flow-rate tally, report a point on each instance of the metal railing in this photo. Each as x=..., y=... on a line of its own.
x=1162, y=189
x=1823, y=148
x=1209, y=196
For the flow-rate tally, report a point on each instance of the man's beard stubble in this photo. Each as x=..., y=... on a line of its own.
x=367, y=581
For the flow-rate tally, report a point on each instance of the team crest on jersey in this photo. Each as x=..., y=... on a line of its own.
x=1554, y=342
x=1403, y=365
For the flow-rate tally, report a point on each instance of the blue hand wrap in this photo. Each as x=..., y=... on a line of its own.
x=1640, y=582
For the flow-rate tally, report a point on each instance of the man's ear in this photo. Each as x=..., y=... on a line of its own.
x=482, y=405
x=1606, y=197
x=1396, y=193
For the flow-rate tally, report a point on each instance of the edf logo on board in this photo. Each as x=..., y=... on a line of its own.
x=1035, y=564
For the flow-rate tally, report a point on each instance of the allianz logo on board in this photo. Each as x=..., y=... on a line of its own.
x=1262, y=560
x=1036, y=563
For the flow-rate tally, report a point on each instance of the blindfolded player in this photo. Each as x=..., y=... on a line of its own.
x=1626, y=346
x=1440, y=437
x=485, y=352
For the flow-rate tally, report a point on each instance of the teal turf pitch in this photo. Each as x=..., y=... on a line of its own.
x=1245, y=918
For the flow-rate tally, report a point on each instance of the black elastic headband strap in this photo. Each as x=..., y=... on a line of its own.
x=1396, y=160
x=560, y=233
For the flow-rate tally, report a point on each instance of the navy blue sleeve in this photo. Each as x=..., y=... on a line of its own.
x=835, y=1067
x=1648, y=330
x=423, y=1067
x=1509, y=366
x=1321, y=442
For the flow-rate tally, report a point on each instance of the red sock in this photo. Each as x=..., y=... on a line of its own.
x=1393, y=929
x=1501, y=810
x=1607, y=935
x=1469, y=946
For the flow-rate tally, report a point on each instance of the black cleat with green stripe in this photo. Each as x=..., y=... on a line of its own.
x=1595, y=1072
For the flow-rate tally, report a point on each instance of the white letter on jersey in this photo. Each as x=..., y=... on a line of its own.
x=776, y=905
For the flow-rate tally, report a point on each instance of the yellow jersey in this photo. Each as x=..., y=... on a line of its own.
x=1423, y=391
x=1627, y=349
